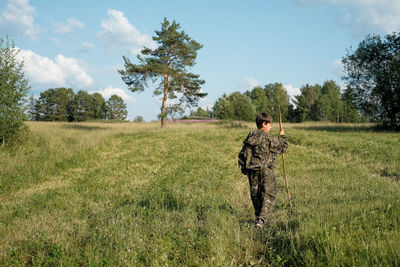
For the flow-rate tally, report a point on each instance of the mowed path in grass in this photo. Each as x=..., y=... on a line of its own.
x=133, y=194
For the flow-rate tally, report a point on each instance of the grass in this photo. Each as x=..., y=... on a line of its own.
x=132, y=194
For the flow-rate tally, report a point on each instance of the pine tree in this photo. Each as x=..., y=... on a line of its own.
x=168, y=64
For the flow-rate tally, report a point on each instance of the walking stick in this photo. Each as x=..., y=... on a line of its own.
x=283, y=160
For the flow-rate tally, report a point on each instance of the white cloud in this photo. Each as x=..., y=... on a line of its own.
x=248, y=84
x=292, y=91
x=363, y=16
x=69, y=27
x=118, y=31
x=18, y=16
x=251, y=82
x=86, y=47
x=74, y=71
x=337, y=68
x=62, y=71
x=41, y=69
x=109, y=91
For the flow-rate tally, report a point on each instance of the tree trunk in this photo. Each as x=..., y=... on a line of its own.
x=164, y=103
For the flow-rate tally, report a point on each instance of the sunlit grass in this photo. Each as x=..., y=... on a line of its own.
x=133, y=194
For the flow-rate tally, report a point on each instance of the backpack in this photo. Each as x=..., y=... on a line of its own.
x=254, y=153
x=244, y=158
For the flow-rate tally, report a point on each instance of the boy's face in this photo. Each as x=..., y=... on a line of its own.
x=267, y=127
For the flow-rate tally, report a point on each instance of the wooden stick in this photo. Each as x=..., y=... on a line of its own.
x=283, y=160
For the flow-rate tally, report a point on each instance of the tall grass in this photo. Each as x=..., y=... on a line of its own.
x=132, y=194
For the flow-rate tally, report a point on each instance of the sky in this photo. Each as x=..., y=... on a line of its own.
x=80, y=44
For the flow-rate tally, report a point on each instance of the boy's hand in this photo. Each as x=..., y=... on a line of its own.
x=282, y=132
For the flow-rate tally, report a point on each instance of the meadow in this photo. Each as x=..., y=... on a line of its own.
x=120, y=194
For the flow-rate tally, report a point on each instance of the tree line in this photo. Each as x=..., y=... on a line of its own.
x=62, y=104
x=315, y=103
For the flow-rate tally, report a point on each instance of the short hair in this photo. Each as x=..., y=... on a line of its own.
x=261, y=118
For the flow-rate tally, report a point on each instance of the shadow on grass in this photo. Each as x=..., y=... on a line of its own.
x=339, y=128
x=83, y=127
x=232, y=124
x=349, y=128
x=395, y=177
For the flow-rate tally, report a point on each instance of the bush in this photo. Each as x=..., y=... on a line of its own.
x=13, y=90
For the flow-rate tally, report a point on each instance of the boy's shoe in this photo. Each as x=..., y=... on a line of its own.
x=260, y=223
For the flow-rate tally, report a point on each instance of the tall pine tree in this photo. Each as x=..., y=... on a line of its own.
x=168, y=65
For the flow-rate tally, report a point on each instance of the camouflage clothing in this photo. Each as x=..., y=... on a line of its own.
x=262, y=192
x=261, y=175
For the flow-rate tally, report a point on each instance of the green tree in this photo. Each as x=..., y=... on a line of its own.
x=373, y=70
x=116, y=108
x=350, y=107
x=105, y=110
x=174, y=111
x=200, y=113
x=242, y=107
x=329, y=103
x=259, y=99
x=98, y=103
x=61, y=104
x=33, y=109
x=168, y=64
x=278, y=100
x=52, y=104
x=138, y=118
x=307, y=103
x=81, y=107
x=13, y=90
x=223, y=108
x=293, y=114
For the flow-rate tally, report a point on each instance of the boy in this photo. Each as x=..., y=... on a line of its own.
x=260, y=166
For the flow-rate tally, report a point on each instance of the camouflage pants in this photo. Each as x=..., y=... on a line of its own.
x=262, y=192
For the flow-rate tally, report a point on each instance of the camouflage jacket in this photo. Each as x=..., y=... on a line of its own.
x=265, y=148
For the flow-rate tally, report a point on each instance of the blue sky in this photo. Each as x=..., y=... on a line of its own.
x=80, y=44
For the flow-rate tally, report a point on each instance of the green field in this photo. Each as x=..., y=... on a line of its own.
x=133, y=194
